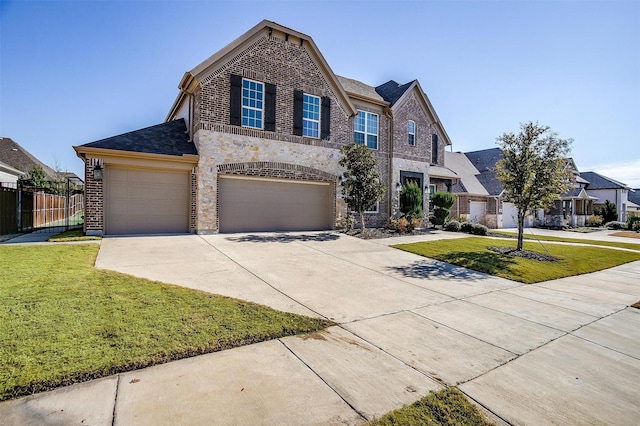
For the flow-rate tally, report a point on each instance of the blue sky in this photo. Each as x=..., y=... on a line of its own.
x=73, y=72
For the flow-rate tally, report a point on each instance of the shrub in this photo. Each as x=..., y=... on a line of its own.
x=466, y=227
x=415, y=223
x=478, y=229
x=403, y=225
x=452, y=225
x=614, y=224
x=411, y=200
x=442, y=202
x=609, y=212
x=633, y=223
x=594, y=220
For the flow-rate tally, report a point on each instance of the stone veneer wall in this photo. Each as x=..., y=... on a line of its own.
x=222, y=153
x=93, y=200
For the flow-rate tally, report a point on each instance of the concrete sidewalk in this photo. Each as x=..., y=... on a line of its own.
x=407, y=325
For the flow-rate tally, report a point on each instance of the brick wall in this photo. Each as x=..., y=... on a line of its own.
x=94, y=200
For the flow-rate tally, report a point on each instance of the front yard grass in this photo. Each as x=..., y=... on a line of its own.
x=445, y=407
x=63, y=321
x=632, y=246
x=71, y=235
x=473, y=253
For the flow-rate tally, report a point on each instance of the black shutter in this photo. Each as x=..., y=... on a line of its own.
x=235, y=101
x=297, y=112
x=325, y=116
x=270, y=107
x=434, y=149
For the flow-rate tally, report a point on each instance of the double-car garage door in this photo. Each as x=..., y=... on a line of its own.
x=247, y=203
x=144, y=201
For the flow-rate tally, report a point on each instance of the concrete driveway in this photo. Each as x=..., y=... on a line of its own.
x=560, y=352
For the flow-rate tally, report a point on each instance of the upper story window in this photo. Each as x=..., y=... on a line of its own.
x=434, y=149
x=311, y=116
x=411, y=131
x=365, y=129
x=252, y=103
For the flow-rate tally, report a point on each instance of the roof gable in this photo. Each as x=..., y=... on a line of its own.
x=461, y=165
x=360, y=90
x=207, y=68
x=168, y=138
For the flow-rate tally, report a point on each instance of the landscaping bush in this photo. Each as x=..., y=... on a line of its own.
x=614, y=224
x=609, y=212
x=594, y=220
x=466, y=227
x=452, y=225
x=411, y=200
x=403, y=225
x=633, y=223
x=415, y=223
x=442, y=202
x=478, y=229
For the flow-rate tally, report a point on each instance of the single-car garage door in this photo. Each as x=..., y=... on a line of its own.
x=141, y=201
x=477, y=210
x=263, y=204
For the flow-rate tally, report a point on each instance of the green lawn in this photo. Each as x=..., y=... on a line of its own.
x=71, y=235
x=472, y=253
x=62, y=321
x=445, y=407
x=632, y=246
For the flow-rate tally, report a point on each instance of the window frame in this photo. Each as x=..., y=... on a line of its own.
x=377, y=209
x=366, y=132
x=317, y=122
x=411, y=134
x=250, y=108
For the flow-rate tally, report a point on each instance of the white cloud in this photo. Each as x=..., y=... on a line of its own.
x=627, y=172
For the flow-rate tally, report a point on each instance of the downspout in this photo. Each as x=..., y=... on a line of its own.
x=390, y=187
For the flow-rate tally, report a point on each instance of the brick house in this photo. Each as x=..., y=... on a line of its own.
x=252, y=143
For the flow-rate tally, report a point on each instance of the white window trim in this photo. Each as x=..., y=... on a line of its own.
x=242, y=106
x=318, y=121
x=377, y=210
x=409, y=133
x=365, y=133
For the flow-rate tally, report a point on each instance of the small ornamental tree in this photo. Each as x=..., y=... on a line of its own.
x=37, y=178
x=411, y=200
x=533, y=170
x=361, y=186
x=442, y=202
x=609, y=212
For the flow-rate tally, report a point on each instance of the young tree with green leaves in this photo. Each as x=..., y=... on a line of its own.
x=360, y=183
x=411, y=200
x=533, y=170
x=37, y=177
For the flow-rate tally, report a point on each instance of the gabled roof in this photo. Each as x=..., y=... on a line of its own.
x=634, y=196
x=201, y=72
x=14, y=155
x=360, y=90
x=4, y=167
x=597, y=181
x=468, y=183
x=490, y=183
x=168, y=138
x=396, y=94
x=485, y=160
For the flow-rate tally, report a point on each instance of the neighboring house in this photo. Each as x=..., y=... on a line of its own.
x=252, y=143
x=633, y=208
x=473, y=201
x=603, y=188
x=12, y=154
x=9, y=175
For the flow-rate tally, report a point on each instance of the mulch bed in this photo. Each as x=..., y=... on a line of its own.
x=377, y=233
x=524, y=254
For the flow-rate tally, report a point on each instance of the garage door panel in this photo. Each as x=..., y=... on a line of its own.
x=143, y=201
x=274, y=205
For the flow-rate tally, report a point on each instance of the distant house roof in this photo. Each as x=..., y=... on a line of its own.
x=358, y=88
x=170, y=138
x=468, y=183
x=597, y=181
x=391, y=91
x=4, y=167
x=14, y=155
x=490, y=183
x=634, y=196
x=485, y=160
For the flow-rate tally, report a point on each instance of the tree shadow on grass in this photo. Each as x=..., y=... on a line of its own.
x=284, y=238
x=463, y=266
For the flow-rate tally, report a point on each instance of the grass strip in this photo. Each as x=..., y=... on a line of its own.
x=631, y=246
x=62, y=321
x=71, y=235
x=473, y=253
x=445, y=407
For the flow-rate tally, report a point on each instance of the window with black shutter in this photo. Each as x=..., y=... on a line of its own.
x=270, y=107
x=326, y=118
x=434, y=149
x=297, y=112
x=235, y=101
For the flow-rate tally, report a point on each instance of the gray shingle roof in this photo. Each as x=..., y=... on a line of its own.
x=359, y=88
x=597, y=181
x=391, y=91
x=14, y=155
x=168, y=138
x=484, y=160
x=490, y=183
x=634, y=196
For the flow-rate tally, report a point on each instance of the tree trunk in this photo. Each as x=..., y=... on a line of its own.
x=362, y=221
x=520, y=231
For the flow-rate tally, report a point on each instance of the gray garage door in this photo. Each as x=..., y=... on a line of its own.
x=261, y=204
x=140, y=201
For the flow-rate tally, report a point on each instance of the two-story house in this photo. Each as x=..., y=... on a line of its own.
x=252, y=143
